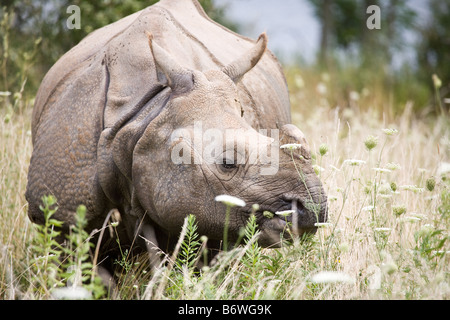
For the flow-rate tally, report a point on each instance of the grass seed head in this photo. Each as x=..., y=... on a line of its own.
x=398, y=210
x=323, y=149
x=371, y=142
x=436, y=81
x=430, y=184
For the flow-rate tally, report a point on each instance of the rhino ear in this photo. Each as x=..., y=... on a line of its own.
x=292, y=134
x=242, y=65
x=178, y=78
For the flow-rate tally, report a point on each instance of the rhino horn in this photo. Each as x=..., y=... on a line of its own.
x=178, y=78
x=242, y=65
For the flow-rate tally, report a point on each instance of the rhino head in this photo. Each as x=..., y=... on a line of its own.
x=184, y=158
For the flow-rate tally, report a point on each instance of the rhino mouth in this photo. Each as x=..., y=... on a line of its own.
x=291, y=218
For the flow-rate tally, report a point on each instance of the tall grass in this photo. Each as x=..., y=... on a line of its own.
x=15, y=229
x=387, y=236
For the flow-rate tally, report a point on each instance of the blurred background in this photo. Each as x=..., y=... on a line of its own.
x=324, y=45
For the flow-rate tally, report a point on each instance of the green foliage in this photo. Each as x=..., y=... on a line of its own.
x=78, y=265
x=444, y=208
x=253, y=252
x=430, y=240
x=124, y=260
x=188, y=254
x=47, y=251
x=69, y=265
x=433, y=54
x=429, y=245
x=17, y=61
x=252, y=259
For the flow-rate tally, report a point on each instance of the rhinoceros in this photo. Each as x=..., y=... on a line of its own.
x=110, y=113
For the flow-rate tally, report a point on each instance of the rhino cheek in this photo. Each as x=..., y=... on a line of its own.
x=167, y=194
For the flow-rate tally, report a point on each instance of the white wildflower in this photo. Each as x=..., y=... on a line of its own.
x=354, y=96
x=443, y=169
x=368, y=208
x=381, y=170
x=354, y=162
x=389, y=267
x=325, y=76
x=435, y=252
x=334, y=168
x=285, y=213
x=409, y=219
x=291, y=146
x=389, y=132
x=71, y=293
x=299, y=82
x=321, y=88
x=420, y=216
x=323, y=224
x=412, y=188
x=393, y=166
x=344, y=247
x=230, y=200
x=332, y=197
x=385, y=188
x=382, y=229
x=332, y=277
x=425, y=230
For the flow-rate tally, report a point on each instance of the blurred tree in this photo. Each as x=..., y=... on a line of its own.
x=324, y=13
x=344, y=27
x=433, y=52
x=43, y=22
x=362, y=57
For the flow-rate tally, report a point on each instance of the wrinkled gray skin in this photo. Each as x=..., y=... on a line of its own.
x=104, y=115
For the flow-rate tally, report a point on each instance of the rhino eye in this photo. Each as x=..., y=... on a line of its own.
x=228, y=164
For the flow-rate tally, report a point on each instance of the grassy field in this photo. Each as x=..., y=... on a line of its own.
x=387, y=238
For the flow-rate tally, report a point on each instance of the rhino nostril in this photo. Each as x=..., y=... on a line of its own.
x=306, y=213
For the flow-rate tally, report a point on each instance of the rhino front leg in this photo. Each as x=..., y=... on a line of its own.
x=151, y=243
